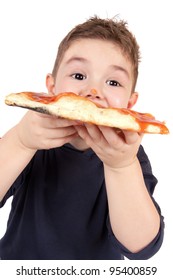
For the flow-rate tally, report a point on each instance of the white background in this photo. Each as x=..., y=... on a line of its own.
x=30, y=32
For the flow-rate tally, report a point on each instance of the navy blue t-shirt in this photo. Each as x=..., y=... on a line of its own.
x=60, y=210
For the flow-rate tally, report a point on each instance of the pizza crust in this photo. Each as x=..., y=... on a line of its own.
x=74, y=107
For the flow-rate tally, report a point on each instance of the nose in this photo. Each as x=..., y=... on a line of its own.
x=91, y=94
x=93, y=91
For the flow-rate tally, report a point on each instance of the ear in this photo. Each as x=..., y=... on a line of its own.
x=133, y=99
x=50, y=84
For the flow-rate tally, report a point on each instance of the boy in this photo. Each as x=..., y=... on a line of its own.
x=82, y=191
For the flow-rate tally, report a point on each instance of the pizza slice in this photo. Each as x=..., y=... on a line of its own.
x=71, y=106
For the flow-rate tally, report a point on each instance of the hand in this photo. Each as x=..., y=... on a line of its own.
x=39, y=131
x=115, y=148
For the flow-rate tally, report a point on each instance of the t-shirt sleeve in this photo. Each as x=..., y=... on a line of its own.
x=152, y=248
x=16, y=185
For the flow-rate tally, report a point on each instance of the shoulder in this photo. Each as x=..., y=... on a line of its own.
x=142, y=156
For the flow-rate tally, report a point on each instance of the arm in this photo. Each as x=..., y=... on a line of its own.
x=14, y=157
x=133, y=216
x=18, y=146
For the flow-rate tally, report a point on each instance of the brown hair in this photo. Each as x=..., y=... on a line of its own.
x=113, y=30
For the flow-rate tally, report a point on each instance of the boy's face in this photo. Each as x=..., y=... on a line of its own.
x=98, y=70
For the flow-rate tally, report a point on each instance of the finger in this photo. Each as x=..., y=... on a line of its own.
x=67, y=122
x=54, y=122
x=82, y=131
x=57, y=142
x=60, y=132
x=102, y=136
x=94, y=132
x=112, y=135
x=132, y=137
x=85, y=135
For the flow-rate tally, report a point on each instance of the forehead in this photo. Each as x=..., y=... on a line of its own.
x=89, y=46
x=97, y=51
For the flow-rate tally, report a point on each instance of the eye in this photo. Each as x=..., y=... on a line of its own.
x=78, y=76
x=113, y=83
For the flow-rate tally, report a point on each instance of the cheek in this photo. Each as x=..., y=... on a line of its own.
x=62, y=86
x=117, y=101
x=65, y=85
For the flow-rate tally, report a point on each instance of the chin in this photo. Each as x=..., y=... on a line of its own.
x=79, y=143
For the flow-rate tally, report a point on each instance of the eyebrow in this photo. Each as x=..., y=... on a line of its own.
x=120, y=68
x=76, y=58
x=113, y=66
